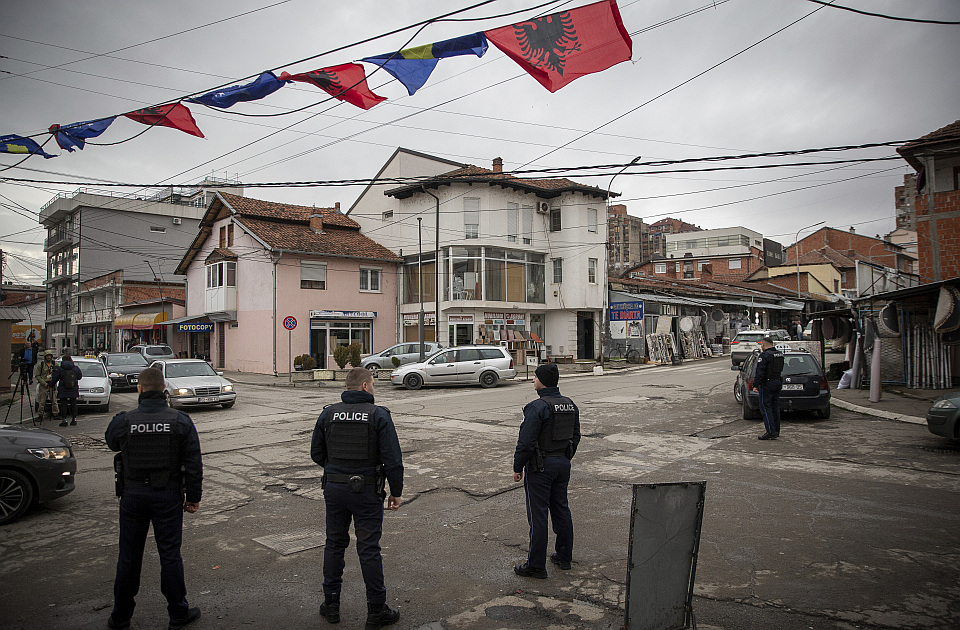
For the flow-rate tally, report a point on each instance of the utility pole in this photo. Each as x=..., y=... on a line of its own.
x=162, y=307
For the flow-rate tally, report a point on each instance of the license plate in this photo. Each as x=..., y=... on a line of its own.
x=204, y=399
x=133, y=379
x=792, y=388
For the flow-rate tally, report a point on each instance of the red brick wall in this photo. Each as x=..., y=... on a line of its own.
x=948, y=236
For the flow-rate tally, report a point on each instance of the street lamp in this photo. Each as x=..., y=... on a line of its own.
x=796, y=243
x=606, y=253
x=160, y=289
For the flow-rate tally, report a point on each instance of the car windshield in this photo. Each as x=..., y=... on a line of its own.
x=126, y=359
x=158, y=350
x=91, y=370
x=797, y=365
x=198, y=368
x=750, y=337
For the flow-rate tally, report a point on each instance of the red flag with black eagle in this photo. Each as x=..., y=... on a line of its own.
x=346, y=82
x=558, y=48
x=172, y=115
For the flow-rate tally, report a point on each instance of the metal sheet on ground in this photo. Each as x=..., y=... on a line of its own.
x=661, y=564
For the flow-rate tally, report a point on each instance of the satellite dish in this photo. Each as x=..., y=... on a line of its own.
x=686, y=324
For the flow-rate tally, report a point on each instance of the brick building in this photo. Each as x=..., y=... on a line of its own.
x=629, y=239
x=851, y=247
x=658, y=234
x=936, y=158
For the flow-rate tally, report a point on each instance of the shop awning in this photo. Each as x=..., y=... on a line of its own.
x=146, y=321
x=125, y=321
x=187, y=319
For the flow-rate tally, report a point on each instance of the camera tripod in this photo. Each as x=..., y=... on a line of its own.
x=23, y=386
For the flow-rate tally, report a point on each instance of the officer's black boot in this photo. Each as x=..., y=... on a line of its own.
x=330, y=608
x=379, y=615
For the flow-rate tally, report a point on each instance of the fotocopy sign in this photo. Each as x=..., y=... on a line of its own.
x=194, y=328
x=665, y=522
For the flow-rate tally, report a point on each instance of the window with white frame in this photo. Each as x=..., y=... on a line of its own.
x=370, y=279
x=659, y=267
x=471, y=217
x=556, y=222
x=313, y=274
x=591, y=219
x=222, y=274
x=592, y=270
x=733, y=263
x=513, y=221
x=526, y=218
x=700, y=264
x=557, y=270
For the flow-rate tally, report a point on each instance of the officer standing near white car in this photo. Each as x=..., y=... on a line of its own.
x=159, y=477
x=549, y=436
x=356, y=443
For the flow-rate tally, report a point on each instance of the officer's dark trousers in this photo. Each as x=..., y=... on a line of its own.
x=366, y=510
x=770, y=405
x=139, y=506
x=545, y=491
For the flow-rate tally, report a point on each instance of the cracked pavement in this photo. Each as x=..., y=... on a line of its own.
x=849, y=522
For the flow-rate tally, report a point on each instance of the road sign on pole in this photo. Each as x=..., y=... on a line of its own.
x=290, y=322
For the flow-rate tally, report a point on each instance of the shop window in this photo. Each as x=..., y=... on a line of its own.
x=370, y=280
x=313, y=274
x=411, y=279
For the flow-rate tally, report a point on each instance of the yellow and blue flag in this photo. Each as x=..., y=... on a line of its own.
x=74, y=135
x=19, y=145
x=264, y=85
x=413, y=66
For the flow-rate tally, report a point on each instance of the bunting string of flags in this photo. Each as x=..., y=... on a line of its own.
x=555, y=50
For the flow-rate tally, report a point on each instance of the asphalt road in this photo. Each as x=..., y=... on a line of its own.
x=850, y=522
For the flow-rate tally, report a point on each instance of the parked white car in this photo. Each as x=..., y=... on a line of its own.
x=405, y=353
x=192, y=382
x=483, y=365
x=95, y=387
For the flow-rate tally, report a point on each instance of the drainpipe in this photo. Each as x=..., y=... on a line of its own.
x=436, y=268
x=273, y=320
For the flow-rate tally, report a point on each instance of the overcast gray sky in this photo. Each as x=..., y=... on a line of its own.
x=834, y=78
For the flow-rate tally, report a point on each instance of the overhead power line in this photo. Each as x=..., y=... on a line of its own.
x=883, y=15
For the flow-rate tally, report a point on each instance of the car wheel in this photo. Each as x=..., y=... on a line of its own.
x=374, y=369
x=488, y=380
x=824, y=414
x=737, y=394
x=748, y=413
x=16, y=495
x=169, y=400
x=104, y=408
x=228, y=404
x=413, y=381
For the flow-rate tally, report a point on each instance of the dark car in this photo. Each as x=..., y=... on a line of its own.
x=943, y=418
x=805, y=387
x=154, y=352
x=124, y=367
x=36, y=465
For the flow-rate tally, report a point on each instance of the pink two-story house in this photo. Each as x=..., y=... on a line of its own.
x=256, y=264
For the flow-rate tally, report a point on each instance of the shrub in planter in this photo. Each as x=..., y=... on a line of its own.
x=304, y=362
x=395, y=361
x=341, y=354
x=354, y=354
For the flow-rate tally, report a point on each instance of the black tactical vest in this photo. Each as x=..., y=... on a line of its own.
x=151, y=453
x=774, y=364
x=557, y=432
x=351, y=436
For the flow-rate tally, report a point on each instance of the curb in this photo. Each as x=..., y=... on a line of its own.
x=879, y=413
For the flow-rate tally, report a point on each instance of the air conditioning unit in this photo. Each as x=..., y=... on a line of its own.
x=543, y=208
x=177, y=220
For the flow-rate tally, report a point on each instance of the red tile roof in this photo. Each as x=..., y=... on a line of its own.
x=947, y=133
x=333, y=241
x=546, y=188
x=248, y=207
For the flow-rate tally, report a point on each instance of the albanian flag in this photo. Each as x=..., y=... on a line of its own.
x=74, y=135
x=412, y=66
x=345, y=82
x=558, y=48
x=172, y=115
x=24, y=146
x=264, y=85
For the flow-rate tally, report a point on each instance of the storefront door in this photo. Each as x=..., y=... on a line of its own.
x=461, y=334
x=318, y=346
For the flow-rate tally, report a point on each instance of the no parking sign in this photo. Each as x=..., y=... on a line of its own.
x=289, y=322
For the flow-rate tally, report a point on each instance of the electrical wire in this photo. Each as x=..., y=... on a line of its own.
x=883, y=15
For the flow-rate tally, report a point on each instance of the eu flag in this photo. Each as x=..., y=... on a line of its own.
x=24, y=146
x=264, y=85
x=74, y=135
x=413, y=66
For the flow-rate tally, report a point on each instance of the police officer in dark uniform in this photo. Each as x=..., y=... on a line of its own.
x=356, y=443
x=549, y=436
x=767, y=382
x=159, y=462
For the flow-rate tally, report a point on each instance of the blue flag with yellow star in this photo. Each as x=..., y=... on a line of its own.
x=413, y=66
x=23, y=146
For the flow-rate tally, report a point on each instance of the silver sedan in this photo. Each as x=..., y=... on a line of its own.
x=192, y=382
